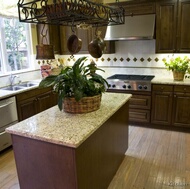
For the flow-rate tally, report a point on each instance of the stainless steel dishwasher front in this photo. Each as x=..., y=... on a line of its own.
x=8, y=117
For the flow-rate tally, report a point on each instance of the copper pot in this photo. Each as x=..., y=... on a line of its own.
x=44, y=52
x=97, y=47
x=74, y=44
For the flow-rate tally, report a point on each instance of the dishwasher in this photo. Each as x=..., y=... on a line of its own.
x=8, y=117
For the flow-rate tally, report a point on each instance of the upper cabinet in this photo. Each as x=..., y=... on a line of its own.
x=59, y=35
x=183, y=29
x=86, y=36
x=138, y=7
x=172, y=26
x=49, y=34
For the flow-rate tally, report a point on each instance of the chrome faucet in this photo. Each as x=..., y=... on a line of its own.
x=12, y=78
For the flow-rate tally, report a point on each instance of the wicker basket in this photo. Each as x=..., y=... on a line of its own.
x=178, y=76
x=85, y=105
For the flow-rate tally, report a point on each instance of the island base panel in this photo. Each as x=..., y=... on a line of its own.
x=92, y=165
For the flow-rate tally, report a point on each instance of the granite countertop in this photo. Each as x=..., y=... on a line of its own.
x=67, y=129
x=170, y=81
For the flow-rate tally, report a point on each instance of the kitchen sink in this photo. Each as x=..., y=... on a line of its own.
x=20, y=86
x=13, y=88
x=27, y=84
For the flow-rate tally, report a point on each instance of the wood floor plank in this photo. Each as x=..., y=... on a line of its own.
x=155, y=159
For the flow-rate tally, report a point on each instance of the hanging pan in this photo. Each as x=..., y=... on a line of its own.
x=74, y=43
x=97, y=46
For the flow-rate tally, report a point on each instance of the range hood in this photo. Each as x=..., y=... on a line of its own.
x=139, y=27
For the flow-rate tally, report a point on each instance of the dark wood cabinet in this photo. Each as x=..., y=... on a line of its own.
x=183, y=28
x=86, y=36
x=161, y=111
x=181, y=114
x=172, y=31
x=170, y=105
x=52, y=37
x=34, y=101
x=138, y=7
x=139, y=108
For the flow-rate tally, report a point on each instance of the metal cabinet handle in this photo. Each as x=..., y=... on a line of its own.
x=6, y=104
x=2, y=133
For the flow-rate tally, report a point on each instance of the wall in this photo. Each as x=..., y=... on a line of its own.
x=132, y=57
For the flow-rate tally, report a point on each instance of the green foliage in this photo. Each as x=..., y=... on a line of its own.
x=178, y=64
x=77, y=81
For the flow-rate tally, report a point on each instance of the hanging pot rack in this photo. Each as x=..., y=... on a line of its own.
x=70, y=12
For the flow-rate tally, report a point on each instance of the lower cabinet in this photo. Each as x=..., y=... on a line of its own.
x=161, y=104
x=181, y=106
x=139, y=108
x=34, y=101
x=170, y=105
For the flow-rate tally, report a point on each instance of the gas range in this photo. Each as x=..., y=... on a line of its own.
x=130, y=82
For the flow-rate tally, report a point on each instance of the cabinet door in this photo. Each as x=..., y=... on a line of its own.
x=181, y=110
x=183, y=29
x=84, y=35
x=44, y=101
x=26, y=108
x=162, y=98
x=52, y=33
x=166, y=12
x=65, y=33
x=54, y=37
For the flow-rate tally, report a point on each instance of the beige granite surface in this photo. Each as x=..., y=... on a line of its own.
x=68, y=129
x=170, y=81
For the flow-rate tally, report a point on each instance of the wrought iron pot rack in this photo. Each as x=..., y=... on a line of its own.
x=70, y=13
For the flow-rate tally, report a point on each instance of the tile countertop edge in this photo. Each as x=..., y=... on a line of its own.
x=170, y=81
x=67, y=129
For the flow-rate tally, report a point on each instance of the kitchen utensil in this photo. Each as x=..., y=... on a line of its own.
x=74, y=44
x=97, y=46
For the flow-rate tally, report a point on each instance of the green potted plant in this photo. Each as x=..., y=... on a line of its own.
x=179, y=67
x=79, y=87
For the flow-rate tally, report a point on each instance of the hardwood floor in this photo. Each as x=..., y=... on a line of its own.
x=155, y=159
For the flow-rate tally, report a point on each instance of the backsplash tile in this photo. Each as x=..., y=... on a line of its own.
x=133, y=57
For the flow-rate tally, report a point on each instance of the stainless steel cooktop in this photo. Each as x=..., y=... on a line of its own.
x=130, y=82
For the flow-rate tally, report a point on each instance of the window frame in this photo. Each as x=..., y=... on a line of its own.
x=3, y=50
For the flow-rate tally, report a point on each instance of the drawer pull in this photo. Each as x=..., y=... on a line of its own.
x=6, y=104
x=2, y=133
x=185, y=89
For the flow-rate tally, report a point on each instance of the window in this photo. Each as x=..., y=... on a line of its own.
x=14, y=45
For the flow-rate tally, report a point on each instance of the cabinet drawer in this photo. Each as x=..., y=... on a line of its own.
x=181, y=88
x=136, y=115
x=167, y=88
x=31, y=93
x=140, y=101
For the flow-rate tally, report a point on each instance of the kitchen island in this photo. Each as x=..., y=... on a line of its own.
x=59, y=150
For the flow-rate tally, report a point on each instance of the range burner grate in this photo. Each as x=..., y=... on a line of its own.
x=132, y=77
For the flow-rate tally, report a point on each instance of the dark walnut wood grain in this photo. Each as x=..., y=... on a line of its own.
x=92, y=165
x=172, y=26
